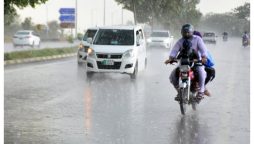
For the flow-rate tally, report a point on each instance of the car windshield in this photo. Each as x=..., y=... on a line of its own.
x=114, y=37
x=89, y=33
x=22, y=33
x=159, y=34
x=209, y=35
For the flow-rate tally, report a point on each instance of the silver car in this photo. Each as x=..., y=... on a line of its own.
x=84, y=45
x=160, y=38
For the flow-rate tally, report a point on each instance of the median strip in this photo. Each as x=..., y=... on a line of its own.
x=38, y=55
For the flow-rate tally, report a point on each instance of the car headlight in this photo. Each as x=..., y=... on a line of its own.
x=129, y=54
x=149, y=40
x=166, y=41
x=91, y=52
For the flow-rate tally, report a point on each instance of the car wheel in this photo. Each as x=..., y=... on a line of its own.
x=32, y=45
x=39, y=44
x=89, y=74
x=135, y=72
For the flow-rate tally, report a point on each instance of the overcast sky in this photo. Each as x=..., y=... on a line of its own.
x=90, y=12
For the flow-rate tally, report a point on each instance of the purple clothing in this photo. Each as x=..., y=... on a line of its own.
x=197, y=44
x=197, y=33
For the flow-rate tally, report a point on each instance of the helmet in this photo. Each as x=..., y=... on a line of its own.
x=187, y=31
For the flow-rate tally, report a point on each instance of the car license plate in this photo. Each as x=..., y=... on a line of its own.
x=108, y=62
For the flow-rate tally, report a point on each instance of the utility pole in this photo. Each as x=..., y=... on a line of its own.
x=104, y=13
x=134, y=12
x=122, y=15
x=76, y=18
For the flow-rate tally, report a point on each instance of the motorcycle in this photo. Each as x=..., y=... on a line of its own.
x=188, y=83
x=245, y=42
x=225, y=38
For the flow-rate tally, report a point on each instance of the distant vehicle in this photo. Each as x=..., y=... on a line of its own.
x=117, y=49
x=84, y=45
x=209, y=37
x=26, y=38
x=225, y=36
x=160, y=38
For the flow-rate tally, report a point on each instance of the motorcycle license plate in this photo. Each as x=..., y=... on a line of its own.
x=108, y=62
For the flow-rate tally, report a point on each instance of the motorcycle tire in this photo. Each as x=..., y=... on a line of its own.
x=182, y=103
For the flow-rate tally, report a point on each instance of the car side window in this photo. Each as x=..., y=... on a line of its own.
x=138, y=38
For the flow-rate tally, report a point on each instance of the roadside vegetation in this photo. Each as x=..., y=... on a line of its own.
x=39, y=53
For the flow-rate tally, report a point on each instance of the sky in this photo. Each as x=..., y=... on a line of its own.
x=90, y=12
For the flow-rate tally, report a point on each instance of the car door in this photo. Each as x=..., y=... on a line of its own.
x=141, y=45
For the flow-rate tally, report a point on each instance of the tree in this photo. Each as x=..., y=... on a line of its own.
x=10, y=11
x=243, y=12
x=223, y=22
x=54, y=29
x=170, y=14
x=27, y=24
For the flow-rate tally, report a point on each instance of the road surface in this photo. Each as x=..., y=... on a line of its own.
x=53, y=102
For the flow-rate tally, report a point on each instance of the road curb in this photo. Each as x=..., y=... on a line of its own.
x=37, y=59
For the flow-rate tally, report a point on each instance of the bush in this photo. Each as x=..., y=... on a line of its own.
x=80, y=36
x=70, y=39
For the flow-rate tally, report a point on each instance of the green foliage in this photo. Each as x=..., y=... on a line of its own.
x=27, y=24
x=70, y=39
x=170, y=14
x=80, y=36
x=10, y=11
x=38, y=53
x=224, y=22
x=243, y=12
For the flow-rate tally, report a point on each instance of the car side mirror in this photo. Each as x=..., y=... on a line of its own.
x=89, y=40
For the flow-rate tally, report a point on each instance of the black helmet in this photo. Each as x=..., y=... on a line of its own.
x=187, y=31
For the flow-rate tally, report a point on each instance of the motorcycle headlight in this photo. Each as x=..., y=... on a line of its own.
x=80, y=46
x=129, y=54
x=91, y=52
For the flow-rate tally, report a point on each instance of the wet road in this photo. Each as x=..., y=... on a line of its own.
x=53, y=102
x=8, y=47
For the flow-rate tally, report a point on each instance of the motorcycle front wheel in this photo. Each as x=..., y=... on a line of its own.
x=183, y=95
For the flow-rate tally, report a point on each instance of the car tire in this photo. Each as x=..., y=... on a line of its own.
x=32, y=46
x=39, y=44
x=135, y=72
x=89, y=74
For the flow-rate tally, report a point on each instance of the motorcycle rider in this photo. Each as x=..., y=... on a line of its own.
x=245, y=38
x=199, y=47
x=210, y=71
x=225, y=36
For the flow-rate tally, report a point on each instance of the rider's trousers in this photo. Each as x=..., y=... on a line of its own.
x=174, y=79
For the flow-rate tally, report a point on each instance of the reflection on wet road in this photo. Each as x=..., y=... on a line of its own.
x=54, y=102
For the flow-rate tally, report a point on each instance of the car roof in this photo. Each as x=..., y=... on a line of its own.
x=122, y=27
x=160, y=31
x=209, y=33
x=93, y=28
x=25, y=31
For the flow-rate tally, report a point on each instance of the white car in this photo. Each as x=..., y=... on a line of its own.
x=209, y=37
x=84, y=45
x=160, y=38
x=26, y=37
x=117, y=49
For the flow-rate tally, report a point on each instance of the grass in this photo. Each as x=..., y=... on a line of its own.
x=38, y=53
